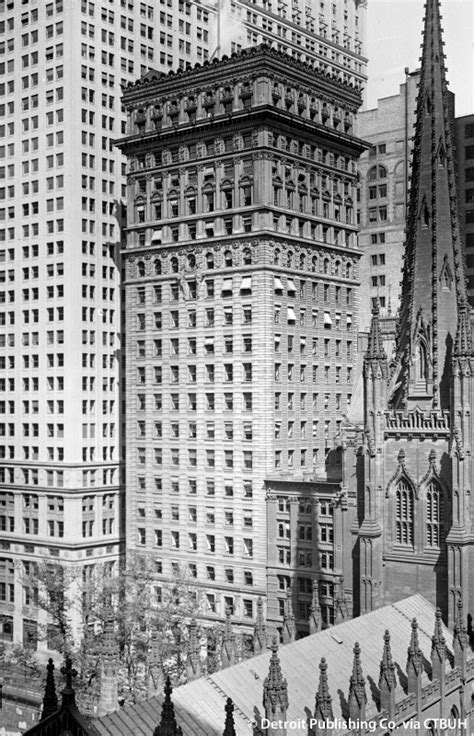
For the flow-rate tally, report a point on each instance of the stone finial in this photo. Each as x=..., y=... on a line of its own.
x=289, y=625
x=260, y=630
x=229, y=728
x=415, y=660
x=69, y=697
x=193, y=660
x=168, y=725
x=375, y=348
x=438, y=648
x=387, y=681
x=50, y=699
x=275, y=688
x=315, y=619
x=357, y=694
x=323, y=707
x=228, y=642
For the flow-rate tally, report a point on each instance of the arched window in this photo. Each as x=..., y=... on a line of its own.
x=228, y=258
x=157, y=267
x=173, y=204
x=276, y=257
x=314, y=264
x=349, y=270
x=247, y=257
x=210, y=260
x=337, y=268
x=422, y=361
x=302, y=260
x=289, y=259
x=453, y=728
x=433, y=515
x=141, y=268
x=140, y=211
x=377, y=172
x=326, y=265
x=191, y=261
x=404, y=523
x=174, y=265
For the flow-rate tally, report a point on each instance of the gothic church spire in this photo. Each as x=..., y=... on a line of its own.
x=433, y=286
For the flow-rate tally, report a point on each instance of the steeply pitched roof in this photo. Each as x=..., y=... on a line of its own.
x=200, y=704
x=434, y=284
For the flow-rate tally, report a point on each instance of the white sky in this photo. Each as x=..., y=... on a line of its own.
x=394, y=35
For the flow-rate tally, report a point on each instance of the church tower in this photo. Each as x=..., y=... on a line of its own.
x=415, y=525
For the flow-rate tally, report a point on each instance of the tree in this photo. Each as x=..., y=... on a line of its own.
x=53, y=588
x=151, y=622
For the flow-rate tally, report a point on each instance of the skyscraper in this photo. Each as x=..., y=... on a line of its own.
x=383, y=197
x=240, y=301
x=63, y=65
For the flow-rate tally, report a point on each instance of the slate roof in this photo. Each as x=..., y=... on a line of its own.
x=200, y=705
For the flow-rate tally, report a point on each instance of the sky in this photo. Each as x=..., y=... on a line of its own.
x=394, y=29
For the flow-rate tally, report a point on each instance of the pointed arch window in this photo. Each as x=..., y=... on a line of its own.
x=422, y=361
x=404, y=513
x=454, y=728
x=433, y=515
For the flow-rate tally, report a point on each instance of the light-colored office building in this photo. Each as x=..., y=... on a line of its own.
x=382, y=197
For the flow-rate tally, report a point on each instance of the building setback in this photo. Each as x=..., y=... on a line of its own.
x=241, y=275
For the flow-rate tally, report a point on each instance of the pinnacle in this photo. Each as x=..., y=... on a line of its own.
x=229, y=729
x=168, y=725
x=275, y=689
x=375, y=348
x=50, y=699
x=433, y=274
x=387, y=668
x=323, y=699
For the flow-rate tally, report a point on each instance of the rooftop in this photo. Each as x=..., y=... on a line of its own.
x=199, y=705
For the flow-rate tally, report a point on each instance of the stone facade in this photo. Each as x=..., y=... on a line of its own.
x=241, y=277
x=415, y=526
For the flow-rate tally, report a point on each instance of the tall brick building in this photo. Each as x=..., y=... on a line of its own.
x=240, y=300
x=417, y=507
